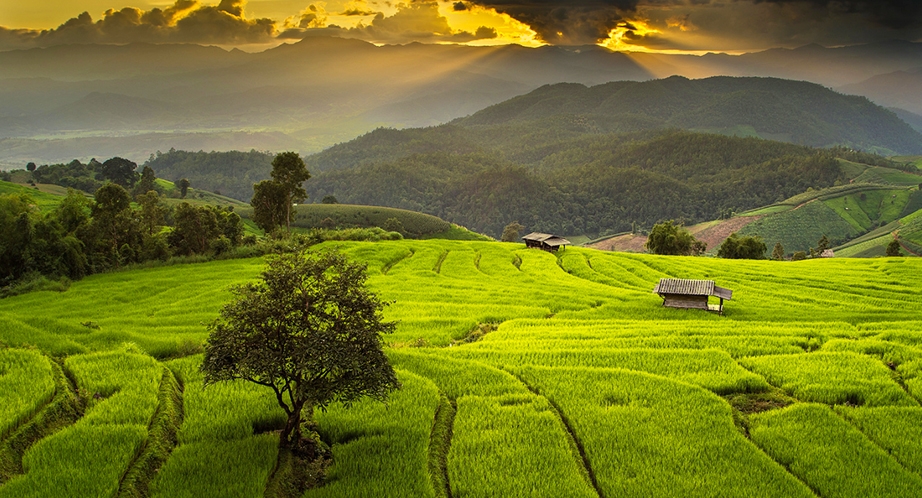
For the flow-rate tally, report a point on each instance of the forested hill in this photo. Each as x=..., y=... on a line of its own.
x=589, y=184
x=791, y=111
x=593, y=160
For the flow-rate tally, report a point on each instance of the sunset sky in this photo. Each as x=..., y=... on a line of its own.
x=672, y=26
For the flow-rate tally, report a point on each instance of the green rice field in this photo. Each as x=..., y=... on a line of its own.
x=524, y=373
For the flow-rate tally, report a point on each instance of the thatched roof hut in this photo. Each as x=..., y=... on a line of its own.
x=545, y=241
x=691, y=294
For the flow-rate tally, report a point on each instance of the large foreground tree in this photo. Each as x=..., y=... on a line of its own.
x=310, y=331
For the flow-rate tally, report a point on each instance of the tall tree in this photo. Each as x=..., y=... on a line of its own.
x=114, y=230
x=121, y=171
x=153, y=211
x=289, y=171
x=268, y=203
x=822, y=245
x=16, y=230
x=309, y=330
x=147, y=183
x=194, y=229
x=183, y=188
x=778, y=252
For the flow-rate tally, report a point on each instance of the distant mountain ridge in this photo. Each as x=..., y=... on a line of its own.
x=321, y=91
x=790, y=111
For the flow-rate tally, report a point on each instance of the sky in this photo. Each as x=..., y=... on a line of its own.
x=665, y=26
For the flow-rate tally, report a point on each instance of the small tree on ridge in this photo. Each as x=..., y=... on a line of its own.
x=671, y=239
x=512, y=232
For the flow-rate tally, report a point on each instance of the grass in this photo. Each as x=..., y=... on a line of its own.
x=832, y=378
x=46, y=197
x=523, y=436
x=379, y=449
x=877, y=174
x=895, y=429
x=26, y=384
x=355, y=216
x=645, y=435
x=219, y=432
x=578, y=380
x=831, y=455
x=84, y=460
x=236, y=468
x=870, y=209
x=775, y=208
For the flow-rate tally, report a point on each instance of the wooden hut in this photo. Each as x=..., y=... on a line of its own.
x=545, y=241
x=691, y=294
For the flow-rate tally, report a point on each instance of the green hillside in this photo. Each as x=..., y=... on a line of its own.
x=44, y=196
x=409, y=223
x=906, y=230
x=230, y=173
x=809, y=385
x=771, y=108
x=587, y=161
x=593, y=184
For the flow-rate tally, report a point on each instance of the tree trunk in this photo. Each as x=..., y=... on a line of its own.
x=292, y=431
x=288, y=215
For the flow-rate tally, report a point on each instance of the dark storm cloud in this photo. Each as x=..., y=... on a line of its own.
x=567, y=23
x=185, y=21
x=588, y=21
x=896, y=14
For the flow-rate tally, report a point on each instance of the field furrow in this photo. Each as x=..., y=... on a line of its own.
x=524, y=373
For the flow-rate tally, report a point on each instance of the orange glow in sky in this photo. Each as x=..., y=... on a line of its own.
x=288, y=14
x=508, y=30
x=619, y=37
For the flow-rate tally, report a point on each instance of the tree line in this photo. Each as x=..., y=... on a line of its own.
x=83, y=235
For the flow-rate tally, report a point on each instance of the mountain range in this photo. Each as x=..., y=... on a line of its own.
x=87, y=101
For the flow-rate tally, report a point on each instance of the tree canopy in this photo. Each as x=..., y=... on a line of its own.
x=273, y=199
x=512, y=231
x=289, y=171
x=893, y=248
x=309, y=330
x=745, y=247
x=671, y=239
x=778, y=252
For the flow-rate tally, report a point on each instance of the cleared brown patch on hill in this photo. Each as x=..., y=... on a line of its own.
x=624, y=243
x=713, y=236
x=712, y=233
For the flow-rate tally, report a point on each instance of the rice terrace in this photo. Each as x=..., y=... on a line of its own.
x=524, y=373
x=461, y=249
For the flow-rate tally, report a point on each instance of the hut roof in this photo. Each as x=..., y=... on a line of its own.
x=691, y=288
x=557, y=241
x=538, y=236
x=547, y=239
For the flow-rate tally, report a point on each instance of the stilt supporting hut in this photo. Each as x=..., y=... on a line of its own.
x=692, y=294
